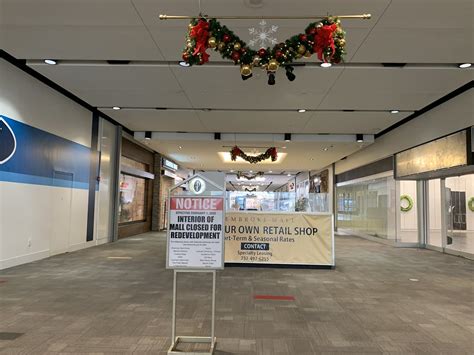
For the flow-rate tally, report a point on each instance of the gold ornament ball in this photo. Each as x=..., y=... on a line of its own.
x=245, y=70
x=342, y=42
x=221, y=46
x=256, y=60
x=190, y=26
x=298, y=55
x=301, y=49
x=211, y=42
x=319, y=25
x=272, y=65
x=307, y=54
x=237, y=46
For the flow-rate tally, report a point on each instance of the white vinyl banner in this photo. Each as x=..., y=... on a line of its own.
x=195, y=232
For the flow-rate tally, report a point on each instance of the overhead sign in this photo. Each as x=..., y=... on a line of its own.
x=195, y=232
x=279, y=238
x=427, y=160
x=169, y=164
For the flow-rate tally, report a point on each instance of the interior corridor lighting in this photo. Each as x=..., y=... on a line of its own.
x=115, y=108
x=464, y=65
x=394, y=111
x=287, y=137
x=148, y=135
x=301, y=110
x=359, y=138
x=50, y=61
x=183, y=64
x=325, y=65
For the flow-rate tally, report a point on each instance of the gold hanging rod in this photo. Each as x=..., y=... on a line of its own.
x=349, y=17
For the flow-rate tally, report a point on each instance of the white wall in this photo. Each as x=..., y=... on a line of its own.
x=37, y=221
x=449, y=117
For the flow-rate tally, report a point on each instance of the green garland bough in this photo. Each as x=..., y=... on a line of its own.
x=324, y=38
x=240, y=174
x=253, y=159
x=409, y=202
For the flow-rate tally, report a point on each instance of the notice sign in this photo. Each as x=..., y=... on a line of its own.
x=279, y=238
x=195, y=232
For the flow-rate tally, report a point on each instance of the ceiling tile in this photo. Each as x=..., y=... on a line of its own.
x=157, y=120
x=222, y=87
x=118, y=85
x=352, y=122
x=254, y=121
x=386, y=89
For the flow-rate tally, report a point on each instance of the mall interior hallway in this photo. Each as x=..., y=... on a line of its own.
x=116, y=298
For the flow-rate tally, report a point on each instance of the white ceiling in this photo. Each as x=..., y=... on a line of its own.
x=431, y=36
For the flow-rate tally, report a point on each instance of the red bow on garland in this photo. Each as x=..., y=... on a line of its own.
x=200, y=33
x=269, y=153
x=325, y=39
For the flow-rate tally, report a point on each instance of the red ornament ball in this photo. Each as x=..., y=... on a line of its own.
x=235, y=56
x=278, y=54
x=303, y=38
x=226, y=38
x=262, y=52
x=185, y=56
x=312, y=31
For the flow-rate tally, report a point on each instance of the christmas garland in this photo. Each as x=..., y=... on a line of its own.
x=248, y=176
x=253, y=159
x=324, y=38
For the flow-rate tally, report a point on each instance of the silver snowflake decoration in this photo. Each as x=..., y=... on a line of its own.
x=263, y=36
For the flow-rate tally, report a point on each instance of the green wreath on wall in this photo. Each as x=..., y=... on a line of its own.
x=470, y=204
x=409, y=202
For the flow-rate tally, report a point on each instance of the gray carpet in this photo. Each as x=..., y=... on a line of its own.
x=86, y=302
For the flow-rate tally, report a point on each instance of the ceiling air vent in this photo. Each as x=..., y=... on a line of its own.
x=118, y=62
x=394, y=65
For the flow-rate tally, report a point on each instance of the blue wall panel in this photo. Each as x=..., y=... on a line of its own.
x=38, y=154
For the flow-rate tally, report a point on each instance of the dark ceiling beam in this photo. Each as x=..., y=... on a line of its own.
x=427, y=108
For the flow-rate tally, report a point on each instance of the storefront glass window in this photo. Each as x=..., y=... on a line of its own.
x=132, y=206
x=367, y=207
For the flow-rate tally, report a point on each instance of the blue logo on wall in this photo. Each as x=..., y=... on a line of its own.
x=7, y=141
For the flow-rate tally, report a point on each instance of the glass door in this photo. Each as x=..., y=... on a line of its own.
x=459, y=208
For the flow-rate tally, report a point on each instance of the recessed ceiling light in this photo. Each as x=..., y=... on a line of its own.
x=289, y=175
x=326, y=149
x=232, y=171
x=115, y=108
x=301, y=110
x=183, y=64
x=284, y=147
x=325, y=65
x=251, y=171
x=50, y=61
x=180, y=147
x=311, y=159
x=394, y=111
x=270, y=171
x=464, y=65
